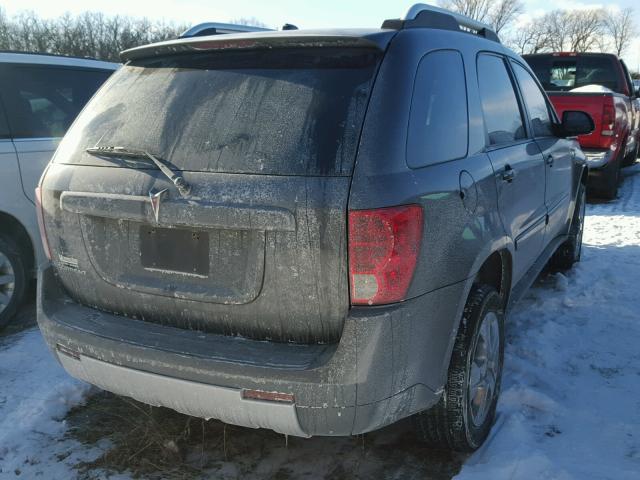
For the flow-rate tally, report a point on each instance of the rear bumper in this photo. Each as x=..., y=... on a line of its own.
x=390, y=363
x=601, y=164
x=598, y=159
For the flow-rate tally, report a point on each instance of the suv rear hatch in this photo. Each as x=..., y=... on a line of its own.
x=266, y=140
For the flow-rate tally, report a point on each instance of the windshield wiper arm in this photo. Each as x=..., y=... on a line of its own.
x=113, y=151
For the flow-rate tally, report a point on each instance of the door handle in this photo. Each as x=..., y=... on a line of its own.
x=549, y=160
x=509, y=174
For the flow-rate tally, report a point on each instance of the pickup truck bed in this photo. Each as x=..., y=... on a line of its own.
x=611, y=103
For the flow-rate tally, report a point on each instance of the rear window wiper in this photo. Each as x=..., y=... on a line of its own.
x=114, y=151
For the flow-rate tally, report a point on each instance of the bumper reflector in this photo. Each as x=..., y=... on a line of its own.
x=267, y=396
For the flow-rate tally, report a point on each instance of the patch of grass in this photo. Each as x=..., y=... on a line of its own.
x=159, y=443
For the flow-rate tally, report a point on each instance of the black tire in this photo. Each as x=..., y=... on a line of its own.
x=12, y=267
x=451, y=424
x=631, y=158
x=611, y=182
x=570, y=251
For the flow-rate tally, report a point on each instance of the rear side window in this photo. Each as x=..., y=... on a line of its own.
x=439, y=125
x=43, y=101
x=535, y=100
x=284, y=111
x=502, y=116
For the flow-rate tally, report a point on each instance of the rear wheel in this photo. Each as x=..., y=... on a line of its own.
x=631, y=158
x=609, y=190
x=463, y=417
x=13, y=279
x=569, y=252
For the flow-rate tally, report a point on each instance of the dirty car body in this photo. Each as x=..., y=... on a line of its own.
x=239, y=301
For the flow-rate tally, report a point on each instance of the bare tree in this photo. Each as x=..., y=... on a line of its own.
x=529, y=38
x=89, y=34
x=503, y=13
x=498, y=14
x=561, y=30
x=620, y=28
x=249, y=21
x=584, y=28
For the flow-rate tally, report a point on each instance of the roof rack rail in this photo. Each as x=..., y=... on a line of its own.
x=215, y=28
x=422, y=15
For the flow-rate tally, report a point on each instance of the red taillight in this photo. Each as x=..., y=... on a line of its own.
x=383, y=249
x=608, y=120
x=43, y=232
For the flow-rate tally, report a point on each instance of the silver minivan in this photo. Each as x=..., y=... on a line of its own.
x=40, y=96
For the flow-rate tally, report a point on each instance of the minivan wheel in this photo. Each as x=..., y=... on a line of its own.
x=570, y=251
x=463, y=417
x=13, y=279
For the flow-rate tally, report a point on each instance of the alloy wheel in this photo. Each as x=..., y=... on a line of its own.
x=484, y=369
x=7, y=282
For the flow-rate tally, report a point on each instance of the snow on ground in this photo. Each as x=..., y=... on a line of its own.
x=35, y=395
x=570, y=407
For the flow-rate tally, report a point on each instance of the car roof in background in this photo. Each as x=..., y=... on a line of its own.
x=51, y=59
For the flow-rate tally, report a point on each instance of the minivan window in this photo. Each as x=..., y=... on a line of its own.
x=283, y=111
x=4, y=126
x=43, y=101
x=502, y=115
x=534, y=99
x=439, y=125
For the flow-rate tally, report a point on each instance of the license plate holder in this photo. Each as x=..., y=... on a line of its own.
x=174, y=250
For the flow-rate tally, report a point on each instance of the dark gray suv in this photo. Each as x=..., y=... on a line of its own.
x=315, y=232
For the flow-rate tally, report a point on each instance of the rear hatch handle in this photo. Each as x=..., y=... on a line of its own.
x=114, y=151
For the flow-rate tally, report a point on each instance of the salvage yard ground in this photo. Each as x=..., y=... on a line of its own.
x=570, y=407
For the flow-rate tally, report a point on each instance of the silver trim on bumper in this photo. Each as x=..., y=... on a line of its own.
x=191, y=398
x=598, y=159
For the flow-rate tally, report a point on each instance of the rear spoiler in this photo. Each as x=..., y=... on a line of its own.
x=262, y=40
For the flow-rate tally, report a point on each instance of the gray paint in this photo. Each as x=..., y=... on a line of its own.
x=354, y=369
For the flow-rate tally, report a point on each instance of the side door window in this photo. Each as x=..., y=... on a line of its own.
x=558, y=153
x=517, y=162
x=439, y=121
x=502, y=114
x=42, y=101
x=538, y=109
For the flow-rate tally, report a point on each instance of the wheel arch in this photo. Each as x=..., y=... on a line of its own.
x=494, y=268
x=13, y=228
x=496, y=271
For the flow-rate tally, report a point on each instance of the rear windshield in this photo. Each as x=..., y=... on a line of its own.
x=281, y=111
x=567, y=73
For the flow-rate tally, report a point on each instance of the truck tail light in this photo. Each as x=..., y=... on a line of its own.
x=43, y=232
x=383, y=250
x=608, y=121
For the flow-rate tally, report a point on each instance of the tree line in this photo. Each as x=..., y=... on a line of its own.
x=579, y=30
x=89, y=34
x=96, y=35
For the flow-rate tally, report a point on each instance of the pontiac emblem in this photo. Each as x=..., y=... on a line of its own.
x=155, y=199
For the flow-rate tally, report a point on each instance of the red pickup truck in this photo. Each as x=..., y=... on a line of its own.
x=599, y=84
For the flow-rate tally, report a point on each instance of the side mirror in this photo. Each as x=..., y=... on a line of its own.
x=576, y=123
x=636, y=90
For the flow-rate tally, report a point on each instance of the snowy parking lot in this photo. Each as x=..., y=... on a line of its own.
x=570, y=406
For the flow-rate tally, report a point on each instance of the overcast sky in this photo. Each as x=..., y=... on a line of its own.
x=305, y=14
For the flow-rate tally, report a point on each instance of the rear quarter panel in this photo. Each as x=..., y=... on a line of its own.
x=458, y=232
